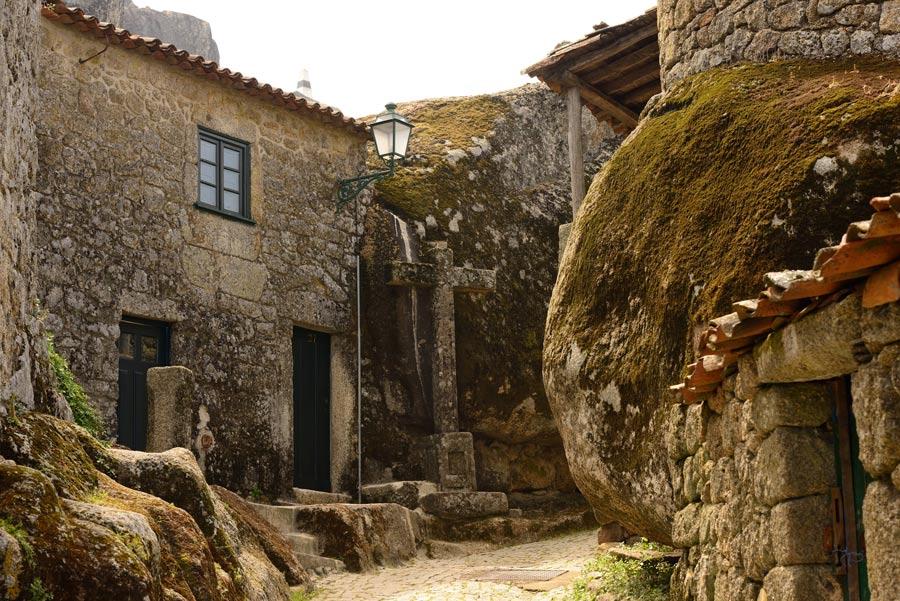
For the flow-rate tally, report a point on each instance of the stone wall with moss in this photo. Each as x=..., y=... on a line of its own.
x=490, y=175
x=119, y=235
x=734, y=171
x=753, y=465
x=18, y=160
x=696, y=35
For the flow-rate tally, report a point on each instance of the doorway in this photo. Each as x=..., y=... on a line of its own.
x=847, y=499
x=312, y=409
x=142, y=344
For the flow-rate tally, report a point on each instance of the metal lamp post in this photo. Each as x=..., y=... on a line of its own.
x=391, y=133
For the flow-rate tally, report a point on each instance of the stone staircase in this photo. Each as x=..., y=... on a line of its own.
x=307, y=547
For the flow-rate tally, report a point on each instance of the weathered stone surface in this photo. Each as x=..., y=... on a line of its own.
x=510, y=529
x=363, y=536
x=800, y=528
x=465, y=505
x=793, y=463
x=881, y=519
x=802, y=583
x=406, y=493
x=619, y=324
x=92, y=537
x=506, y=151
x=697, y=36
x=817, y=347
x=880, y=326
x=450, y=460
x=170, y=403
x=187, y=32
x=876, y=407
x=19, y=37
x=803, y=405
x=244, y=286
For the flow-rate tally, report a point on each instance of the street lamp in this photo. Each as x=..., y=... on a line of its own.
x=390, y=132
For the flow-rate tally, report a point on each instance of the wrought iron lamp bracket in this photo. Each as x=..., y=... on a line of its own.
x=349, y=189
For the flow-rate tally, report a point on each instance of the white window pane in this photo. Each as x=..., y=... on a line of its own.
x=207, y=151
x=232, y=180
x=208, y=194
x=231, y=158
x=208, y=173
x=231, y=202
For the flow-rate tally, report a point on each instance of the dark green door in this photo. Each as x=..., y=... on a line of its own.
x=312, y=410
x=142, y=345
x=847, y=500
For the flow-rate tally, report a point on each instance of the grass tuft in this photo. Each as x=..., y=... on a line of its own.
x=84, y=414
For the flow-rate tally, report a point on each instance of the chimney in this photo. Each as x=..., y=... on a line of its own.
x=304, y=89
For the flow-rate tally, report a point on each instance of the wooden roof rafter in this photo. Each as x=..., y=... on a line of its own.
x=616, y=69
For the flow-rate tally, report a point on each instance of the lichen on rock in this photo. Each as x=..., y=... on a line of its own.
x=85, y=533
x=717, y=186
x=490, y=175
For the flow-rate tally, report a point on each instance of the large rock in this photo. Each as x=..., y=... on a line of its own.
x=802, y=583
x=490, y=175
x=793, y=463
x=363, y=536
x=406, y=493
x=715, y=188
x=91, y=537
x=187, y=32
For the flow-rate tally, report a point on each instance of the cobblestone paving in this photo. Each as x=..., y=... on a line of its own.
x=452, y=579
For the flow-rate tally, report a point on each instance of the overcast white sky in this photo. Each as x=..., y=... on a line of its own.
x=361, y=55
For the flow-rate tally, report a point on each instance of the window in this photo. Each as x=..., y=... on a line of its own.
x=224, y=175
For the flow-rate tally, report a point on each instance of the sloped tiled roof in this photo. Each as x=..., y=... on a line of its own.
x=194, y=64
x=867, y=260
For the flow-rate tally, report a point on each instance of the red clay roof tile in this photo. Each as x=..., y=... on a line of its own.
x=866, y=259
x=201, y=67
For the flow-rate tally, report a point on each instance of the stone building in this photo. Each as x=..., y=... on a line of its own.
x=186, y=218
x=785, y=454
x=696, y=36
x=772, y=133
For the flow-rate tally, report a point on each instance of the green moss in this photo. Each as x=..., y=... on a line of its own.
x=37, y=591
x=17, y=532
x=84, y=414
x=681, y=222
x=304, y=595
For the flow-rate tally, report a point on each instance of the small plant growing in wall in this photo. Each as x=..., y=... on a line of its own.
x=256, y=494
x=73, y=393
x=37, y=592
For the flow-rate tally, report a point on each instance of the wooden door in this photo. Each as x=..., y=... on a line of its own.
x=142, y=345
x=312, y=410
x=847, y=500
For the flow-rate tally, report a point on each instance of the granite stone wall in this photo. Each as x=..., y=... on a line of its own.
x=119, y=235
x=753, y=466
x=696, y=35
x=18, y=160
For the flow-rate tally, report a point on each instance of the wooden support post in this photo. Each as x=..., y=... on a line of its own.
x=576, y=147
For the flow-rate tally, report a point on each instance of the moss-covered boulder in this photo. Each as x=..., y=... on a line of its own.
x=490, y=175
x=734, y=173
x=73, y=526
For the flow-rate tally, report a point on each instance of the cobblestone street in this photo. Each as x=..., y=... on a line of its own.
x=455, y=579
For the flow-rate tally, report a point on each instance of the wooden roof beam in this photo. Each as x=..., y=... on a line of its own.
x=594, y=96
x=592, y=60
x=623, y=66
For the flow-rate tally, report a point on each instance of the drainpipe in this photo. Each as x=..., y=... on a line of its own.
x=359, y=457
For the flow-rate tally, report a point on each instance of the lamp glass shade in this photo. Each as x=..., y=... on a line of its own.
x=391, y=134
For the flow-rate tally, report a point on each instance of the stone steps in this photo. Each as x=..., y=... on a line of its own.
x=307, y=547
x=301, y=542
x=319, y=564
x=302, y=496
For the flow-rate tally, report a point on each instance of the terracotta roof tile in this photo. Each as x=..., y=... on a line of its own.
x=198, y=65
x=868, y=258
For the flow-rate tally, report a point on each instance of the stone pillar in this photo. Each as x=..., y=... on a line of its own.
x=446, y=413
x=170, y=397
x=450, y=460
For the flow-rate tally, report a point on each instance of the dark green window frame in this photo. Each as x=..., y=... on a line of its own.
x=223, y=174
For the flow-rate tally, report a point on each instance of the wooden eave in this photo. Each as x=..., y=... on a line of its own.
x=616, y=69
